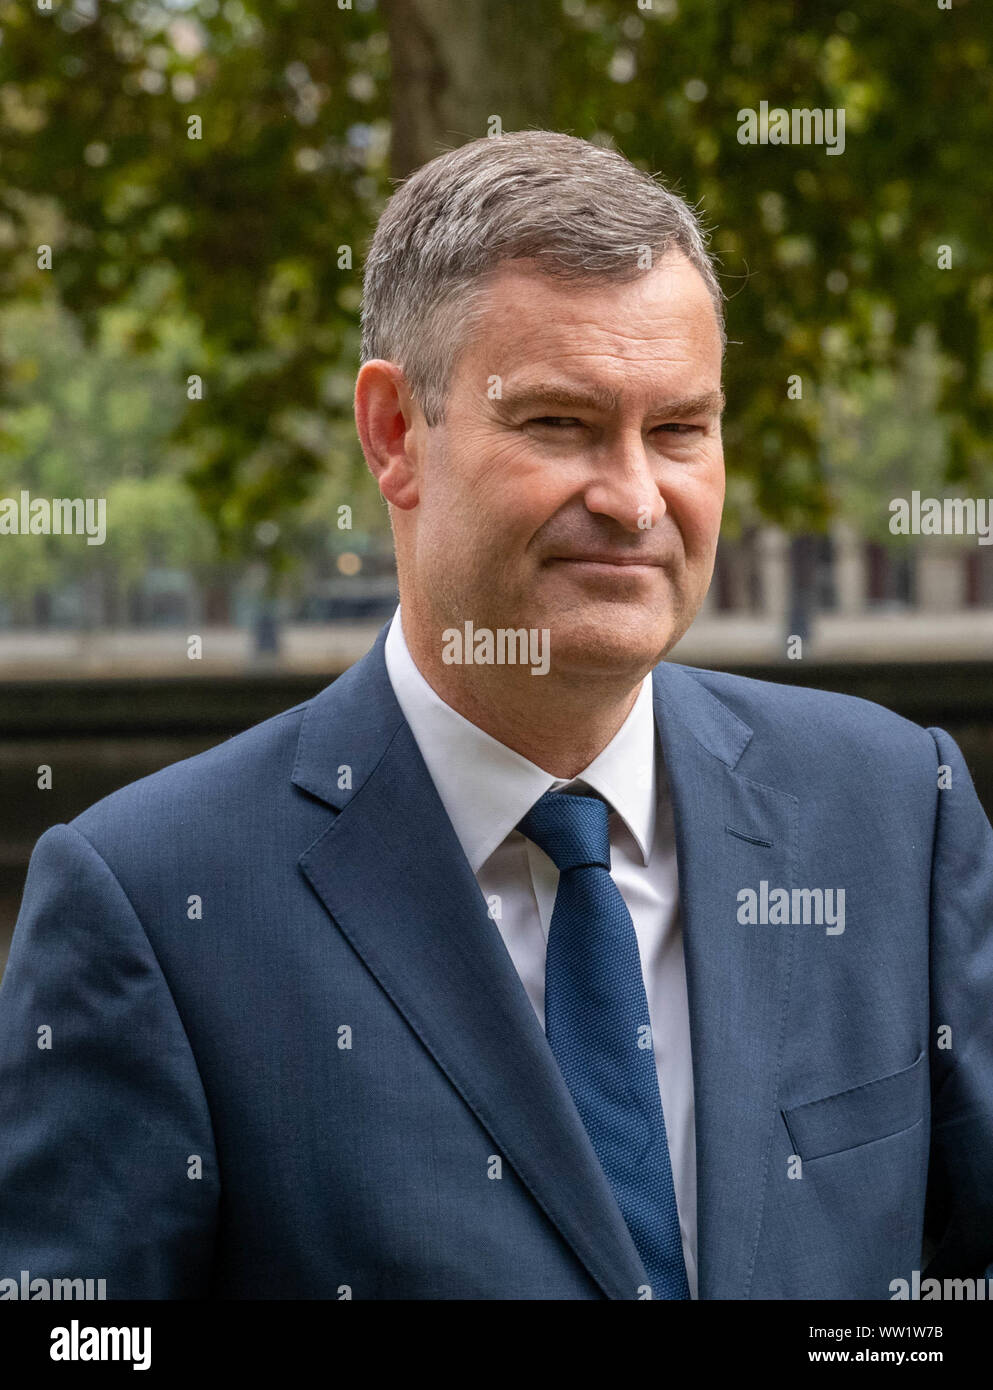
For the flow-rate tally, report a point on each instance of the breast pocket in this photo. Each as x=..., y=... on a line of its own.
x=874, y=1110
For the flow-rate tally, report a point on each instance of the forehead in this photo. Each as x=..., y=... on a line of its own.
x=661, y=325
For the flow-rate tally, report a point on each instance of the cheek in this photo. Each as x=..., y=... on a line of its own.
x=479, y=468
x=696, y=510
x=696, y=501
x=510, y=493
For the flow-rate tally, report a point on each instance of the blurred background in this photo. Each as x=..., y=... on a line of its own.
x=186, y=194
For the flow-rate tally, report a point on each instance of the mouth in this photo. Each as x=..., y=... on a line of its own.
x=607, y=564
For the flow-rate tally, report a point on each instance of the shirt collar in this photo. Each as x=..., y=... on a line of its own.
x=486, y=787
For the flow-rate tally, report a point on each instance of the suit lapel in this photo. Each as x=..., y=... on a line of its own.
x=731, y=832
x=393, y=876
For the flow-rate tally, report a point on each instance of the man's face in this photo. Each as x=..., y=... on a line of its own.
x=577, y=481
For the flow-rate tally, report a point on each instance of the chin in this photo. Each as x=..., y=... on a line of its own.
x=599, y=648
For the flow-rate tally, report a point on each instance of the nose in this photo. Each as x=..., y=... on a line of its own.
x=626, y=487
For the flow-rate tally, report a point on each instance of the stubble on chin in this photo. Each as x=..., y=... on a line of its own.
x=599, y=646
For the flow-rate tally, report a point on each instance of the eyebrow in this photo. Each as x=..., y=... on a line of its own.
x=601, y=398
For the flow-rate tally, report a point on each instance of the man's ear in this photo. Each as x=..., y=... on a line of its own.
x=385, y=415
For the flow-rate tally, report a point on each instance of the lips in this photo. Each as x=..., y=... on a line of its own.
x=601, y=559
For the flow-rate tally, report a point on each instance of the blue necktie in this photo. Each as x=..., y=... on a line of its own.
x=596, y=1012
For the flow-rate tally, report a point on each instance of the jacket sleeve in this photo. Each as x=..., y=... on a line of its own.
x=104, y=1125
x=959, y=1217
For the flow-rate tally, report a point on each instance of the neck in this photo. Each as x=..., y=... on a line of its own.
x=560, y=720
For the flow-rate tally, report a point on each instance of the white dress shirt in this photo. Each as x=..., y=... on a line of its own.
x=486, y=788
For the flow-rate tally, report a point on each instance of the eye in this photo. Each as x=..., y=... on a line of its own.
x=678, y=428
x=556, y=421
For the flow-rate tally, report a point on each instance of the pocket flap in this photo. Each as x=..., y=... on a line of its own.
x=860, y=1115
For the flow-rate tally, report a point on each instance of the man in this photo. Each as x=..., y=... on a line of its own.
x=519, y=963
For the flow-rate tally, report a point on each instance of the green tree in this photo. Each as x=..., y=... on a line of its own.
x=94, y=423
x=260, y=221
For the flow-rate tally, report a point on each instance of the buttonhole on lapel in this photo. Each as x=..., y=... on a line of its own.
x=740, y=835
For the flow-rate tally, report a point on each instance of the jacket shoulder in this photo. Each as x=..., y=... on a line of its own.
x=814, y=719
x=227, y=777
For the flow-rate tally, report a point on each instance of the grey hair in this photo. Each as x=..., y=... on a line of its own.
x=576, y=210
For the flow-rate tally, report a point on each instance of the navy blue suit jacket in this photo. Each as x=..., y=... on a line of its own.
x=331, y=1082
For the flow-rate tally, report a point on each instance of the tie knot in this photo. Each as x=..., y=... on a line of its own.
x=572, y=830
